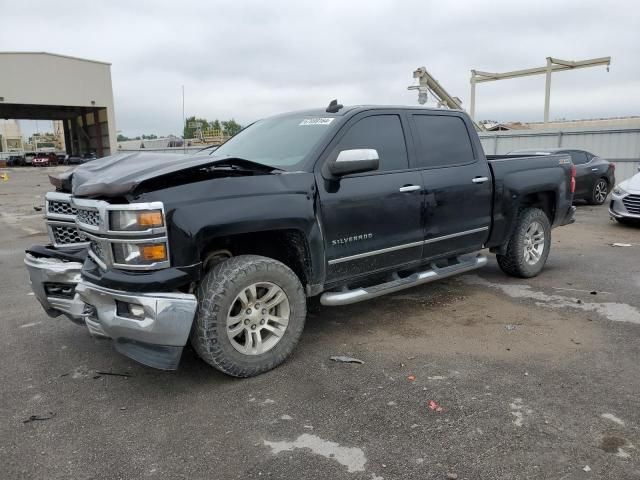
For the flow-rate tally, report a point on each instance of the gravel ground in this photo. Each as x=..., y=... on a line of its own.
x=479, y=376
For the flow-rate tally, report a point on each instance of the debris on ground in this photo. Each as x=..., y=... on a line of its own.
x=113, y=374
x=510, y=327
x=593, y=292
x=37, y=209
x=435, y=407
x=343, y=359
x=587, y=468
x=577, y=343
x=411, y=378
x=621, y=245
x=452, y=476
x=39, y=418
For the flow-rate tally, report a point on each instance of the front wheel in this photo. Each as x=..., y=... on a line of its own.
x=251, y=313
x=528, y=246
x=600, y=192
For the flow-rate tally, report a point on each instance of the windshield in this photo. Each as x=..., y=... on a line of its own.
x=282, y=141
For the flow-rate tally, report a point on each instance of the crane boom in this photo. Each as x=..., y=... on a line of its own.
x=428, y=84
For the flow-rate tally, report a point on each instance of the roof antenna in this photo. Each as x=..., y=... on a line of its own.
x=334, y=106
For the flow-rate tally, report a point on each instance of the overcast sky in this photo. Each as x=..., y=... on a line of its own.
x=250, y=59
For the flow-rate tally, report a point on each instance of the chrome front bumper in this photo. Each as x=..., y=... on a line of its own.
x=167, y=317
x=45, y=275
x=155, y=338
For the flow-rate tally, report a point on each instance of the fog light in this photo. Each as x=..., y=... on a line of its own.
x=130, y=310
x=136, y=310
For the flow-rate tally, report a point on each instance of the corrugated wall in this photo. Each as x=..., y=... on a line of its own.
x=619, y=145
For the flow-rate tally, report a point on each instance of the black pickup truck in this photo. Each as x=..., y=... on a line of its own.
x=224, y=248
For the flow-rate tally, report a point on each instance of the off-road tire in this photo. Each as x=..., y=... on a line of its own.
x=217, y=291
x=513, y=262
x=593, y=200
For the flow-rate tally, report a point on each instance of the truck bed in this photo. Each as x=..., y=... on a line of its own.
x=516, y=176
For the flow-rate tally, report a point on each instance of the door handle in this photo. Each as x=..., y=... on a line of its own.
x=410, y=188
x=480, y=179
x=594, y=169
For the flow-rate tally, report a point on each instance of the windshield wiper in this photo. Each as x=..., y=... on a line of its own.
x=240, y=163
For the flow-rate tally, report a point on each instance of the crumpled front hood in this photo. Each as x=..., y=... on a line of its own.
x=121, y=173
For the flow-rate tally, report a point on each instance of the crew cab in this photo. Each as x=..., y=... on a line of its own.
x=224, y=248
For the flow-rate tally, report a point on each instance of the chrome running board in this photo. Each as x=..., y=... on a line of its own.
x=345, y=297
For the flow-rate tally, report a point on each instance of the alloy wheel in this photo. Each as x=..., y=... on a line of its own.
x=258, y=318
x=601, y=191
x=533, y=243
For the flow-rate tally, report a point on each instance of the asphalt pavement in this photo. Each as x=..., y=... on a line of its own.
x=477, y=377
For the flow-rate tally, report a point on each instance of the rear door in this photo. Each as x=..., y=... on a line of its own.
x=457, y=183
x=372, y=221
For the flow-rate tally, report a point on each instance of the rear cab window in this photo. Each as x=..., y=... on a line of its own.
x=441, y=141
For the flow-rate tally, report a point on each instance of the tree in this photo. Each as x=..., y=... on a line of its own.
x=231, y=127
x=122, y=138
x=189, y=132
x=215, y=125
x=149, y=137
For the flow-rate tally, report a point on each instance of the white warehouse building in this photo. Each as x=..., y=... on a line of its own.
x=47, y=86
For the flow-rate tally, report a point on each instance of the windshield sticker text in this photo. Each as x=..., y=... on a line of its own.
x=316, y=121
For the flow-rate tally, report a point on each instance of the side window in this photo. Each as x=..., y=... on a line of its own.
x=578, y=158
x=442, y=140
x=382, y=132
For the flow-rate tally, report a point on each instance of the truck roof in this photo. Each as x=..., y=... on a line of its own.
x=361, y=108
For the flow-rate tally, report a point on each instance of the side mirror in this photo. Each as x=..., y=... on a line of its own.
x=354, y=161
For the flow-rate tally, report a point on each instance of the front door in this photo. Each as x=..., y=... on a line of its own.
x=457, y=185
x=372, y=221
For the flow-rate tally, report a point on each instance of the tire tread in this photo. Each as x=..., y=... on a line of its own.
x=218, y=284
x=512, y=263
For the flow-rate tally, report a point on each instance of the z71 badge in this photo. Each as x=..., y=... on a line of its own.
x=355, y=238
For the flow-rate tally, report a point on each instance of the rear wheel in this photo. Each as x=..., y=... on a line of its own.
x=529, y=245
x=599, y=192
x=251, y=313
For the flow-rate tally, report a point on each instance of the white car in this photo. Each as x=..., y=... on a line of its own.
x=625, y=200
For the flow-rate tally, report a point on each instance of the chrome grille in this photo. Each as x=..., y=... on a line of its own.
x=96, y=248
x=632, y=204
x=89, y=217
x=67, y=235
x=61, y=208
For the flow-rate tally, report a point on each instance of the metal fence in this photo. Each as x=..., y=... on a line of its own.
x=617, y=144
